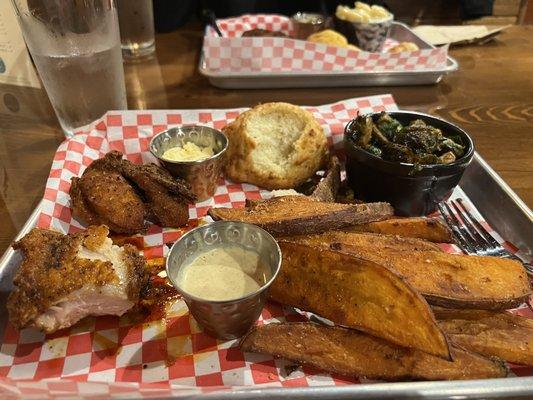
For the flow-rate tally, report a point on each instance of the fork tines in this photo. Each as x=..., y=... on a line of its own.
x=471, y=235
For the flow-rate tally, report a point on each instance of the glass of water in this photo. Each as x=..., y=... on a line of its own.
x=75, y=45
x=136, y=20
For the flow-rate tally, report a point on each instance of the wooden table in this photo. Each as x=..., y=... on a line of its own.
x=491, y=97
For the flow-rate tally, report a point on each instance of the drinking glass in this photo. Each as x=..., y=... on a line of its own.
x=75, y=45
x=136, y=20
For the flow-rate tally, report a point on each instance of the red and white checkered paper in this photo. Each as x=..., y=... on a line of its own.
x=112, y=356
x=235, y=54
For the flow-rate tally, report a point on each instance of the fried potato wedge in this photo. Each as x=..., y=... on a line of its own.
x=352, y=353
x=501, y=334
x=431, y=229
x=298, y=215
x=328, y=187
x=358, y=294
x=371, y=242
x=453, y=280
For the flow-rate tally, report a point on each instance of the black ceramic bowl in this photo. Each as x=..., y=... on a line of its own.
x=411, y=192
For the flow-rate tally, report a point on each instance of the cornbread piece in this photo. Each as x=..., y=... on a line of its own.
x=431, y=229
x=298, y=215
x=352, y=353
x=453, y=280
x=358, y=294
x=501, y=334
x=64, y=278
x=275, y=146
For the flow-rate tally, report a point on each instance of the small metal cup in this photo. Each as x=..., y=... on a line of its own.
x=228, y=319
x=304, y=24
x=368, y=36
x=202, y=175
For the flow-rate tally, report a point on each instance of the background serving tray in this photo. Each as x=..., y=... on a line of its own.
x=258, y=80
x=112, y=356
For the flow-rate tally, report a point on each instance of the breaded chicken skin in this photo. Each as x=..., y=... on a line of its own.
x=121, y=195
x=64, y=278
x=105, y=197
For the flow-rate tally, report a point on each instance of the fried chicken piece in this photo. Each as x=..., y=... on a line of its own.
x=121, y=195
x=166, y=198
x=262, y=33
x=64, y=278
x=105, y=197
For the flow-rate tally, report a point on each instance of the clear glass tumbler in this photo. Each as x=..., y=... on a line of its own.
x=136, y=20
x=75, y=45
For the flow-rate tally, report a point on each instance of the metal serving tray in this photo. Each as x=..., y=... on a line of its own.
x=399, y=32
x=500, y=206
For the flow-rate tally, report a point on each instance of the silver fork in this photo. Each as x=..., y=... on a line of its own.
x=471, y=236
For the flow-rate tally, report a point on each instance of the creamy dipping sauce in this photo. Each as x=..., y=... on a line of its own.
x=189, y=152
x=224, y=273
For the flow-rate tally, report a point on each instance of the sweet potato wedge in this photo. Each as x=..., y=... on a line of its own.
x=453, y=280
x=358, y=294
x=501, y=334
x=431, y=229
x=327, y=188
x=352, y=353
x=371, y=242
x=297, y=215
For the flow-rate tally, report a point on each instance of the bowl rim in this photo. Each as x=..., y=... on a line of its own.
x=261, y=289
x=194, y=162
x=465, y=158
x=295, y=18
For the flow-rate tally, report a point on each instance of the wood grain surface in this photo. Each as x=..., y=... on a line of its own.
x=491, y=97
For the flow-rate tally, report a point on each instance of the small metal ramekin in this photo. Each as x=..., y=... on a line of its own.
x=228, y=319
x=202, y=175
x=302, y=29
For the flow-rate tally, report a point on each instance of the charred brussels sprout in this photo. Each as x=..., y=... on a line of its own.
x=416, y=143
x=420, y=139
x=361, y=130
x=397, y=152
x=388, y=125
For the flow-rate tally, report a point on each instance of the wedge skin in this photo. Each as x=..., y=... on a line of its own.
x=447, y=280
x=359, y=294
x=456, y=280
x=298, y=215
x=371, y=242
x=352, y=353
x=500, y=334
x=431, y=229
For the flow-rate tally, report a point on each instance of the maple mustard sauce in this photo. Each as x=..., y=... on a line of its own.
x=223, y=273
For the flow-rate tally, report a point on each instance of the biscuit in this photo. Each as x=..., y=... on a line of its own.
x=275, y=146
x=330, y=37
x=404, y=46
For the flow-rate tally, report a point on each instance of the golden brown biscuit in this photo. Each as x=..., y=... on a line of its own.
x=328, y=36
x=404, y=46
x=275, y=146
x=332, y=38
